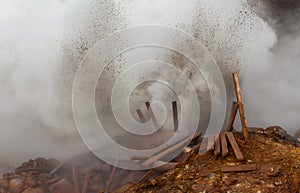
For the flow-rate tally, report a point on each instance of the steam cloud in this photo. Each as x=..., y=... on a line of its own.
x=43, y=43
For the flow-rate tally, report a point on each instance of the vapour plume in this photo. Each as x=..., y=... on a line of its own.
x=43, y=43
x=273, y=92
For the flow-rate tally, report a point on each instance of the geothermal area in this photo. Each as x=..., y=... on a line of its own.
x=152, y=96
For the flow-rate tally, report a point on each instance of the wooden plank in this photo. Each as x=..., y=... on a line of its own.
x=175, y=115
x=86, y=182
x=183, y=157
x=240, y=103
x=154, y=120
x=217, y=145
x=203, y=145
x=224, y=144
x=161, y=166
x=239, y=168
x=160, y=155
x=75, y=179
x=234, y=146
x=147, y=175
x=210, y=143
x=234, y=109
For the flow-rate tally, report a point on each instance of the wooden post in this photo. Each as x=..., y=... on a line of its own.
x=175, y=115
x=240, y=104
x=164, y=166
x=203, y=145
x=210, y=143
x=234, y=110
x=217, y=145
x=75, y=179
x=152, y=115
x=224, y=144
x=141, y=116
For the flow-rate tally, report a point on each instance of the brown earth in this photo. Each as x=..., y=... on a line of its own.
x=275, y=154
x=277, y=160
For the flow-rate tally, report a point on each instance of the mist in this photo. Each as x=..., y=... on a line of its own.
x=43, y=43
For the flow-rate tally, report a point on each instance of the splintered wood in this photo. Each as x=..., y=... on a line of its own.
x=220, y=145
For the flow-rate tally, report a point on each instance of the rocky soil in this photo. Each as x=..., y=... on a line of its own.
x=275, y=154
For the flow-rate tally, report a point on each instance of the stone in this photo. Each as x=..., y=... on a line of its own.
x=15, y=185
x=277, y=130
x=31, y=182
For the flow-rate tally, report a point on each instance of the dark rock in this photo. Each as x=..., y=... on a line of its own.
x=278, y=134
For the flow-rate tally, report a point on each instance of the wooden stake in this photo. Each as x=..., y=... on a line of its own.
x=152, y=115
x=224, y=144
x=75, y=179
x=141, y=116
x=240, y=103
x=217, y=145
x=175, y=115
x=235, y=146
x=234, y=110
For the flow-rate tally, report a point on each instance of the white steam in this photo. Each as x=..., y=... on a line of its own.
x=43, y=42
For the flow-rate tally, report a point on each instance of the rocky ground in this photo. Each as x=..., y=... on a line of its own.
x=275, y=154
